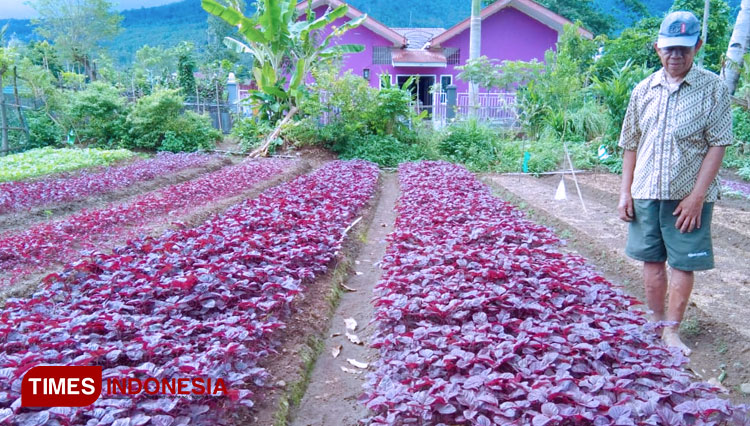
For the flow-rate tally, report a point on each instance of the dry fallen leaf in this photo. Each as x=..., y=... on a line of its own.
x=335, y=335
x=353, y=338
x=356, y=363
x=359, y=273
x=347, y=288
x=348, y=370
x=351, y=324
x=336, y=350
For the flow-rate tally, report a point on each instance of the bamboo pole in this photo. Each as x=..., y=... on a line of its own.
x=572, y=171
x=218, y=108
x=18, y=105
x=3, y=117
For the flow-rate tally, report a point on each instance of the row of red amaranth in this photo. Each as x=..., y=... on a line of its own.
x=23, y=195
x=483, y=321
x=61, y=240
x=201, y=302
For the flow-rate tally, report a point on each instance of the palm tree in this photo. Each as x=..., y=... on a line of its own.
x=738, y=44
x=475, y=41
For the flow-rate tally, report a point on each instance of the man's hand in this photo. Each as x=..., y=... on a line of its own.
x=689, y=211
x=625, y=207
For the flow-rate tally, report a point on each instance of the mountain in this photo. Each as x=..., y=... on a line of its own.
x=169, y=24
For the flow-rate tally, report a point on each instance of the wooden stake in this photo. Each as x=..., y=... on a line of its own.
x=3, y=116
x=572, y=171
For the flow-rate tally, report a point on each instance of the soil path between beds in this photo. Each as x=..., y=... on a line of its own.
x=331, y=397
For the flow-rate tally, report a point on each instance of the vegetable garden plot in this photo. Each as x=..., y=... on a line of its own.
x=22, y=195
x=202, y=301
x=44, y=161
x=61, y=240
x=482, y=321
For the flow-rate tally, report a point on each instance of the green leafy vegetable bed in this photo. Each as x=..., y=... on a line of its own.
x=43, y=161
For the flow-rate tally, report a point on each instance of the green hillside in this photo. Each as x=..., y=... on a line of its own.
x=185, y=20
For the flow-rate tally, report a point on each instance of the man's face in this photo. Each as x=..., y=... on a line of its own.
x=677, y=60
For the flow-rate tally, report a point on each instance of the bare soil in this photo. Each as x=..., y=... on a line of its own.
x=716, y=325
x=316, y=327
x=331, y=397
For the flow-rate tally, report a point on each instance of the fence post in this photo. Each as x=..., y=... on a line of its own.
x=232, y=93
x=3, y=117
x=450, y=102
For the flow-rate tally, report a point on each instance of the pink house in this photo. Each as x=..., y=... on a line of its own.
x=511, y=30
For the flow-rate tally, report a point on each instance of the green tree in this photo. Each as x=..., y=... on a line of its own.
x=718, y=28
x=77, y=27
x=635, y=44
x=157, y=63
x=185, y=70
x=282, y=45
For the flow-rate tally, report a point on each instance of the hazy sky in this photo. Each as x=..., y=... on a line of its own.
x=17, y=9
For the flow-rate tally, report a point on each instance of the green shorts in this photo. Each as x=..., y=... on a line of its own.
x=652, y=237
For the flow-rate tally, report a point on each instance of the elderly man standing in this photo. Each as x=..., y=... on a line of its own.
x=677, y=126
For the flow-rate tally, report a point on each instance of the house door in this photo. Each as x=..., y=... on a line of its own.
x=421, y=90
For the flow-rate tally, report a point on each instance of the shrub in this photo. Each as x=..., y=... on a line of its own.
x=385, y=150
x=190, y=132
x=42, y=130
x=250, y=132
x=471, y=143
x=97, y=115
x=156, y=114
x=302, y=132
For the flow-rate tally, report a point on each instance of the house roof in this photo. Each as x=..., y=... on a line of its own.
x=528, y=7
x=417, y=38
x=370, y=23
x=418, y=58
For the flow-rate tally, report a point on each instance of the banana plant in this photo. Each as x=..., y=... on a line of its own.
x=284, y=49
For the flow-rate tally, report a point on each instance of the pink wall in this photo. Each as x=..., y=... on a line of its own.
x=358, y=62
x=508, y=34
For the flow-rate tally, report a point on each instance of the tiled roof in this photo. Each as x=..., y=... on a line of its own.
x=418, y=57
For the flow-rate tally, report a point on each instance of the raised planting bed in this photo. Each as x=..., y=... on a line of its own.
x=483, y=321
x=200, y=302
x=24, y=195
x=61, y=240
x=44, y=161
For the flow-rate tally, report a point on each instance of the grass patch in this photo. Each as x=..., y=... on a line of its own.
x=296, y=391
x=691, y=327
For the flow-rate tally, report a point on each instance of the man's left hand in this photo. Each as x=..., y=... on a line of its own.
x=689, y=211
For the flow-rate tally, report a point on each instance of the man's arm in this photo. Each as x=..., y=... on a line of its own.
x=625, y=206
x=689, y=209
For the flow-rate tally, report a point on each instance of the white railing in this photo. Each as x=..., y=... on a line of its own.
x=496, y=107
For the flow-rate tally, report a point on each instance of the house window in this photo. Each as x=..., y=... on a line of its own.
x=366, y=74
x=445, y=81
x=381, y=55
x=453, y=55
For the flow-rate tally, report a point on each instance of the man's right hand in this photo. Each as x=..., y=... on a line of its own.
x=625, y=208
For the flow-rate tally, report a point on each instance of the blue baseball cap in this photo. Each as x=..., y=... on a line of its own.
x=679, y=28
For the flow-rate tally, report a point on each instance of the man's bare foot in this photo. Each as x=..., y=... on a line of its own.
x=671, y=337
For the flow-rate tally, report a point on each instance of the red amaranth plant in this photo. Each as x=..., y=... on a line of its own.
x=201, y=302
x=483, y=321
x=61, y=240
x=23, y=195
